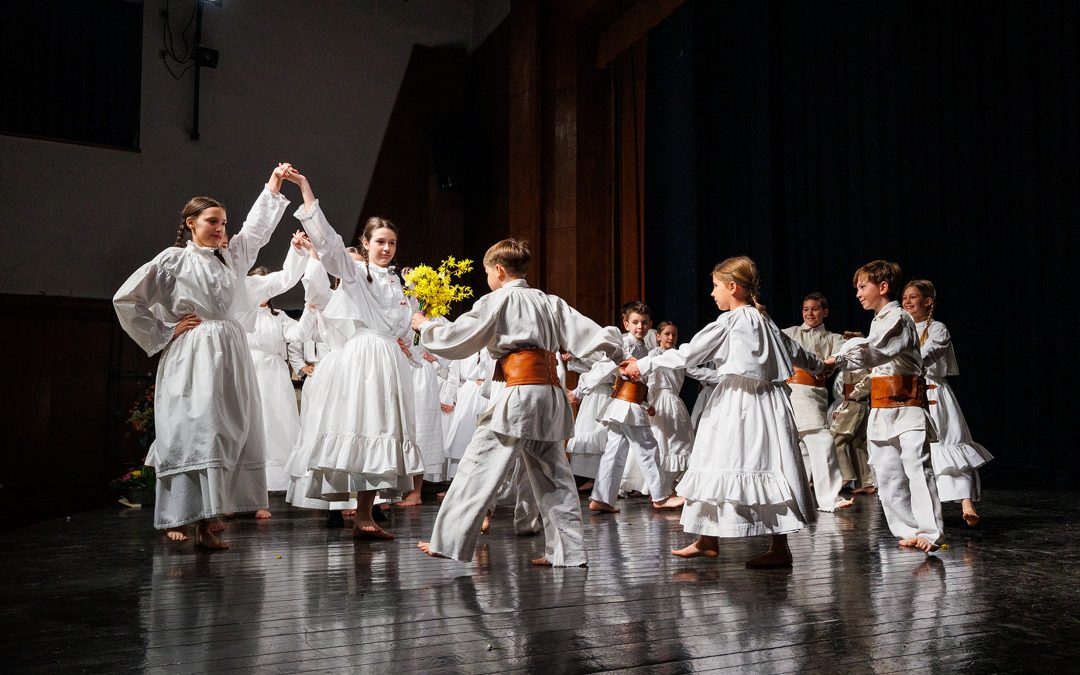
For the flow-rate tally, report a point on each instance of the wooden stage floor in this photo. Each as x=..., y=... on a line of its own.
x=103, y=592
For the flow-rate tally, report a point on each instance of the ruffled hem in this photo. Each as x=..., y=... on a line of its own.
x=191, y=496
x=956, y=458
x=363, y=456
x=297, y=496
x=591, y=443
x=622, y=412
x=331, y=485
x=728, y=521
x=673, y=463
x=748, y=488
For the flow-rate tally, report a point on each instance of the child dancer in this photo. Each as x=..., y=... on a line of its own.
x=626, y=417
x=590, y=435
x=898, y=427
x=810, y=400
x=671, y=424
x=955, y=457
x=191, y=302
x=529, y=414
x=473, y=373
x=847, y=424
x=364, y=441
x=429, y=432
x=745, y=476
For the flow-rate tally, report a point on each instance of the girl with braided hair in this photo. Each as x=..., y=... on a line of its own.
x=190, y=303
x=955, y=457
x=745, y=475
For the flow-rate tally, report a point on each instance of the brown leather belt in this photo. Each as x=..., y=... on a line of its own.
x=898, y=391
x=528, y=366
x=630, y=391
x=801, y=376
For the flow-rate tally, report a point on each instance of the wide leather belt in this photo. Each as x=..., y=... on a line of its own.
x=801, y=376
x=528, y=366
x=630, y=391
x=898, y=391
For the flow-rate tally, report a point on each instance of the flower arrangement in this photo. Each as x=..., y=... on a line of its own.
x=141, y=419
x=136, y=487
x=434, y=288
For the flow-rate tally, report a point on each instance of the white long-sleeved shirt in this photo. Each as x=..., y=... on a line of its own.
x=811, y=403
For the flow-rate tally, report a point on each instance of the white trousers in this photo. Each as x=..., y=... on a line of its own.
x=822, y=466
x=620, y=440
x=907, y=487
x=516, y=490
x=475, y=489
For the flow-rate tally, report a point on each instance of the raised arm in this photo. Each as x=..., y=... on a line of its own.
x=262, y=288
x=467, y=335
x=260, y=223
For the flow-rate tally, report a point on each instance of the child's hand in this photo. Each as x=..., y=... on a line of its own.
x=629, y=369
x=418, y=319
x=566, y=356
x=446, y=407
x=187, y=322
x=430, y=358
x=848, y=334
x=574, y=400
x=404, y=348
x=293, y=176
x=277, y=175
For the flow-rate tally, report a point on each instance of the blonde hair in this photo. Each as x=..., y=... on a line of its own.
x=879, y=272
x=512, y=254
x=928, y=291
x=743, y=272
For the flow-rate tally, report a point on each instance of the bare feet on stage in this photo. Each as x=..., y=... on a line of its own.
x=176, y=534
x=970, y=517
x=844, y=503
x=263, y=514
x=704, y=546
x=216, y=525
x=411, y=499
x=586, y=486
x=778, y=555
x=864, y=490
x=601, y=507
x=370, y=530
x=540, y=562
x=205, y=537
x=426, y=548
x=485, y=527
x=348, y=513
x=921, y=543
x=669, y=503
x=440, y=495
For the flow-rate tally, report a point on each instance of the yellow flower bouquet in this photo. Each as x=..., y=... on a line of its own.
x=434, y=288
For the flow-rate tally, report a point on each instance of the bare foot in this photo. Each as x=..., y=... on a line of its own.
x=541, y=562
x=410, y=501
x=700, y=547
x=844, y=503
x=440, y=495
x=370, y=531
x=204, y=538
x=921, y=543
x=217, y=526
x=669, y=503
x=586, y=486
x=348, y=513
x=909, y=542
x=770, y=559
x=485, y=527
x=263, y=514
x=176, y=534
x=426, y=548
x=865, y=490
x=972, y=519
x=601, y=507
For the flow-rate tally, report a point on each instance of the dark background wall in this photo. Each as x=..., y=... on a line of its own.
x=939, y=135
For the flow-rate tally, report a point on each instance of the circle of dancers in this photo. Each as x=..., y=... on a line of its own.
x=482, y=400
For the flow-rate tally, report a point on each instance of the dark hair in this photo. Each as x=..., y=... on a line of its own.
x=374, y=223
x=192, y=209
x=880, y=272
x=262, y=271
x=817, y=297
x=635, y=307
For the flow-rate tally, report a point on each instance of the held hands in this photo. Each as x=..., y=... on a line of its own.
x=187, y=322
x=418, y=320
x=430, y=358
x=278, y=174
x=574, y=400
x=308, y=369
x=404, y=348
x=651, y=411
x=446, y=407
x=629, y=369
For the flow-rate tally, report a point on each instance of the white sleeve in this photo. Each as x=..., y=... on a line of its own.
x=937, y=343
x=328, y=243
x=316, y=284
x=702, y=347
x=862, y=353
x=259, y=225
x=148, y=286
x=262, y=288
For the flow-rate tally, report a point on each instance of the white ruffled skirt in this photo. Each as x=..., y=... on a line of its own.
x=363, y=437
x=590, y=435
x=281, y=419
x=673, y=431
x=745, y=475
x=956, y=458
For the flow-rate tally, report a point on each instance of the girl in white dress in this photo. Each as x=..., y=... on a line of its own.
x=670, y=422
x=590, y=435
x=191, y=301
x=745, y=475
x=956, y=458
x=429, y=427
x=269, y=342
x=365, y=438
x=473, y=374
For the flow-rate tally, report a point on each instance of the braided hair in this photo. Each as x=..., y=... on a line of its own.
x=927, y=290
x=192, y=209
x=742, y=271
x=374, y=223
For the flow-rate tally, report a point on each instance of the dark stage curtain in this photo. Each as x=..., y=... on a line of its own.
x=940, y=135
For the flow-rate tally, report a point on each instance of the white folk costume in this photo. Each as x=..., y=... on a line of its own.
x=313, y=325
x=524, y=420
x=365, y=438
x=708, y=377
x=899, y=437
x=671, y=422
x=590, y=435
x=427, y=391
x=745, y=476
x=473, y=378
x=956, y=458
x=209, y=451
x=810, y=401
x=628, y=430
x=269, y=341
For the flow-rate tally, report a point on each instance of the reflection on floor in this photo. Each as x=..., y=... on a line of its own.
x=106, y=592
